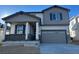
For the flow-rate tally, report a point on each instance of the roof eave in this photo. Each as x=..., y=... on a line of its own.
x=54, y=7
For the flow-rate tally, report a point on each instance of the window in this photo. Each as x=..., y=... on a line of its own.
x=50, y=16
x=20, y=29
x=56, y=16
x=60, y=16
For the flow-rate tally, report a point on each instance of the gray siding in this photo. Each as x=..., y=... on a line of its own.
x=38, y=15
x=47, y=21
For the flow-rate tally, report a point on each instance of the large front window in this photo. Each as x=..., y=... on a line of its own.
x=20, y=29
x=56, y=16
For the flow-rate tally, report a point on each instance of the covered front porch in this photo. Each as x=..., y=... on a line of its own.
x=28, y=31
x=24, y=29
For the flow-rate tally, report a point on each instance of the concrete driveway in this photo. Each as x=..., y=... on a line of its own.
x=48, y=48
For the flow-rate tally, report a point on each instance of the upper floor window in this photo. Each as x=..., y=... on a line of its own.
x=52, y=16
x=56, y=16
x=61, y=17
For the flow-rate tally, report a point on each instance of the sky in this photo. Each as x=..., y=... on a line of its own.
x=6, y=10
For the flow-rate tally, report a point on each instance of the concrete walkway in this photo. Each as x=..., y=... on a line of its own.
x=59, y=49
x=19, y=50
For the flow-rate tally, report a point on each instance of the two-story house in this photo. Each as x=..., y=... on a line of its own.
x=48, y=26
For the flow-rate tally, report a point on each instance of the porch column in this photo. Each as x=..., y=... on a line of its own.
x=4, y=30
x=27, y=30
x=12, y=30
x=37, y=31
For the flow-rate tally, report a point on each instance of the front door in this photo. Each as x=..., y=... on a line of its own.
x=32, y=32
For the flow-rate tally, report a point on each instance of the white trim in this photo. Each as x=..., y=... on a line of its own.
x=37, y=31
x=54, y=27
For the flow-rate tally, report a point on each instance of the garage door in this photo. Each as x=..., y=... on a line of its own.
x=53, y=37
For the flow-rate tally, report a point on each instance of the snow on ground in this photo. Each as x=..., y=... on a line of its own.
x=49, y=48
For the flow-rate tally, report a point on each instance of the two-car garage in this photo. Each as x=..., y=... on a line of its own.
x=53, y=36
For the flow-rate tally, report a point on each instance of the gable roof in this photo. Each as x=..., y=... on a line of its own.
x=55, y=6
x=20, y=12
x=28, y=13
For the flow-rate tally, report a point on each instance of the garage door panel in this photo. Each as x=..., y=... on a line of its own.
x=53, y=36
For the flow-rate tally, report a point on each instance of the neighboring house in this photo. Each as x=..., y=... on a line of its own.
x=1, y=32
x=47, y=26
x=74, y=28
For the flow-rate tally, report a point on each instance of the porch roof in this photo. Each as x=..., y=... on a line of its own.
x=21, y=16
x=20, y=12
